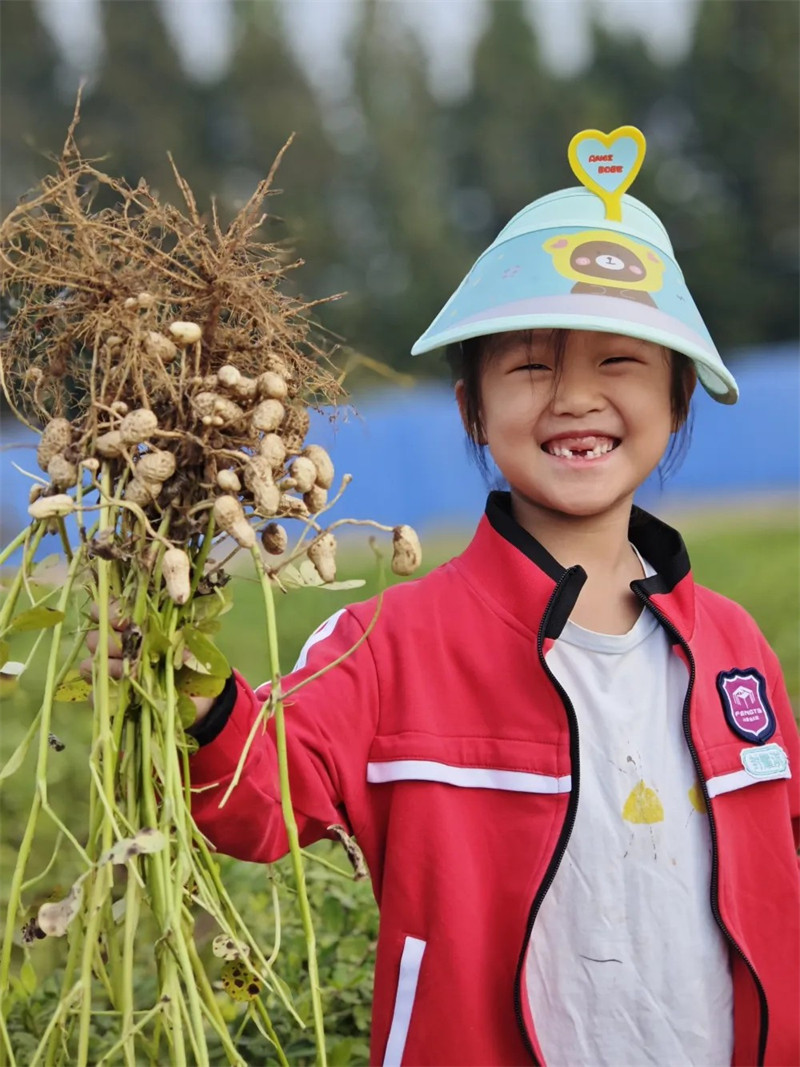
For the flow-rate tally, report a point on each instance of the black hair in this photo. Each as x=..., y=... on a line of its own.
x=467, y=360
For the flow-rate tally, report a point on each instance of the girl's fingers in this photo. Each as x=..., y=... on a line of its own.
x=93, y=640
x=114, y=615
x=114, y=669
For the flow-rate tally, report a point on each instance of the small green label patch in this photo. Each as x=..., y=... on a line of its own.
x=767, y=761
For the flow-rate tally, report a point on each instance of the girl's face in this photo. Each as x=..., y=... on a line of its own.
x=578, y=440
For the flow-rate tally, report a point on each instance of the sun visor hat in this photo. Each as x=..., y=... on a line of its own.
x=586, y=258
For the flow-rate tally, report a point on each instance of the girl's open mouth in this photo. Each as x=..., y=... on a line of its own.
x=590, y=446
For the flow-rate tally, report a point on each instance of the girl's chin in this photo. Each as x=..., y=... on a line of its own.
x=580, y=506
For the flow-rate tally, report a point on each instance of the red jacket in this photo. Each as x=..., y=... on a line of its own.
x=447, y=748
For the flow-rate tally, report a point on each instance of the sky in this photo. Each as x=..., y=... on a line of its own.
x=448, y=30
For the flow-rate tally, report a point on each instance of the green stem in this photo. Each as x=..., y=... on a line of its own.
x=129, y=1034
x=210, y=1006
x=6, y=1050
x=103, y=753
x=327, y=863
x=262, y=1011
x=11, y=597
x=12, y=546
x=23, y=853
x=132, y=902
x=202, y=556
x=62, y=1008
x=288, y=814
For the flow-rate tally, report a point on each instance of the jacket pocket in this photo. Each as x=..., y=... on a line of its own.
x=410, y=963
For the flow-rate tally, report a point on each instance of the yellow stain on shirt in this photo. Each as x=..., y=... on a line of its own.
x=643, y=805
x=696, y=798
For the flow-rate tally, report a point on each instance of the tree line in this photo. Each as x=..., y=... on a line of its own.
x=392, y=195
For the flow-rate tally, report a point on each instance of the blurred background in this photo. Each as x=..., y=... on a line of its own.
x=420, y=129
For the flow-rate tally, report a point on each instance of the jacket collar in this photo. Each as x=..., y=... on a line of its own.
x=511, y=568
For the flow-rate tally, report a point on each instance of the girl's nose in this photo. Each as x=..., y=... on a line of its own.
x=575, y=392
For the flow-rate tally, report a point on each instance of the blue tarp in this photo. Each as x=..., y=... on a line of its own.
x=405, y=449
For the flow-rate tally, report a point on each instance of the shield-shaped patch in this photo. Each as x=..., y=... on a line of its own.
x=745, y=703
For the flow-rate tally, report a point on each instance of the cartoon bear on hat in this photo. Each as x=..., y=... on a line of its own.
x=607, y=265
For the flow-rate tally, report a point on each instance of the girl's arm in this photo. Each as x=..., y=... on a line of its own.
x=779, y=699
x=330, y=723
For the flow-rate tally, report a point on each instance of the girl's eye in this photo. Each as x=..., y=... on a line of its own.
x=619, y=359
x=532, y=366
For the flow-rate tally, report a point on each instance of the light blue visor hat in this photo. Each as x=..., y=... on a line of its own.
x=561, y=263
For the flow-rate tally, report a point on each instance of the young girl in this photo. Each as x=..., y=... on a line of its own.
x=568, y=766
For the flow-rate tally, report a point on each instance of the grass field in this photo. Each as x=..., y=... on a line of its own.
x=750, y=557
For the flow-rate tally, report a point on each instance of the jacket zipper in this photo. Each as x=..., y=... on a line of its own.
x=762, y=997
x=569, y=820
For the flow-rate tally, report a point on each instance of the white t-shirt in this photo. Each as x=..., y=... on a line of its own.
x=626, y=965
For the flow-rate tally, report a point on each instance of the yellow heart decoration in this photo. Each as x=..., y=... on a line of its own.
x=607, y=163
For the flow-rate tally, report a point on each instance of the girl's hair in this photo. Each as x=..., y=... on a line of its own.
x=467, y=360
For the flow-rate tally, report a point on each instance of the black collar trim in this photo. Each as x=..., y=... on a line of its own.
x=663, y=548
x=660, y=544
x=498, y=512
x=569, y=582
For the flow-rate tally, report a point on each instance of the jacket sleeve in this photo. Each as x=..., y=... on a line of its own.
x=779, y=699
x=330, y=723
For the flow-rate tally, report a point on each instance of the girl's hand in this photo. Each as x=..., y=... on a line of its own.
x=115, y=666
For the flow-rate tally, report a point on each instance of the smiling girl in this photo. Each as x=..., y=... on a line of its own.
x=569, y=767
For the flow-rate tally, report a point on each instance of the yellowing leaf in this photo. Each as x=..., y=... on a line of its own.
x=73, y=690
x=142, y=843
x=36, y=619
x=228, y=948
x=239, y=981
x=54, y=919
x=194, y=684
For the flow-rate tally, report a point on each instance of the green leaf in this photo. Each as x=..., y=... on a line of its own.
x=205, y=652
x=36, y=619
x=187, y=712
x=194, y=684
x=156, y=642
x=341, y=1053
x=14, y=761
x=27, y=977
x=4, y=652
x=332, y=915
x=207, y=609
x=73, y=690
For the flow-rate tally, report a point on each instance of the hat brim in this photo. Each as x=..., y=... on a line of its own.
x=606, y=315
x=557, y=278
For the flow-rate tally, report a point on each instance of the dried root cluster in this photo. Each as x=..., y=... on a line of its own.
x=161, y=346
